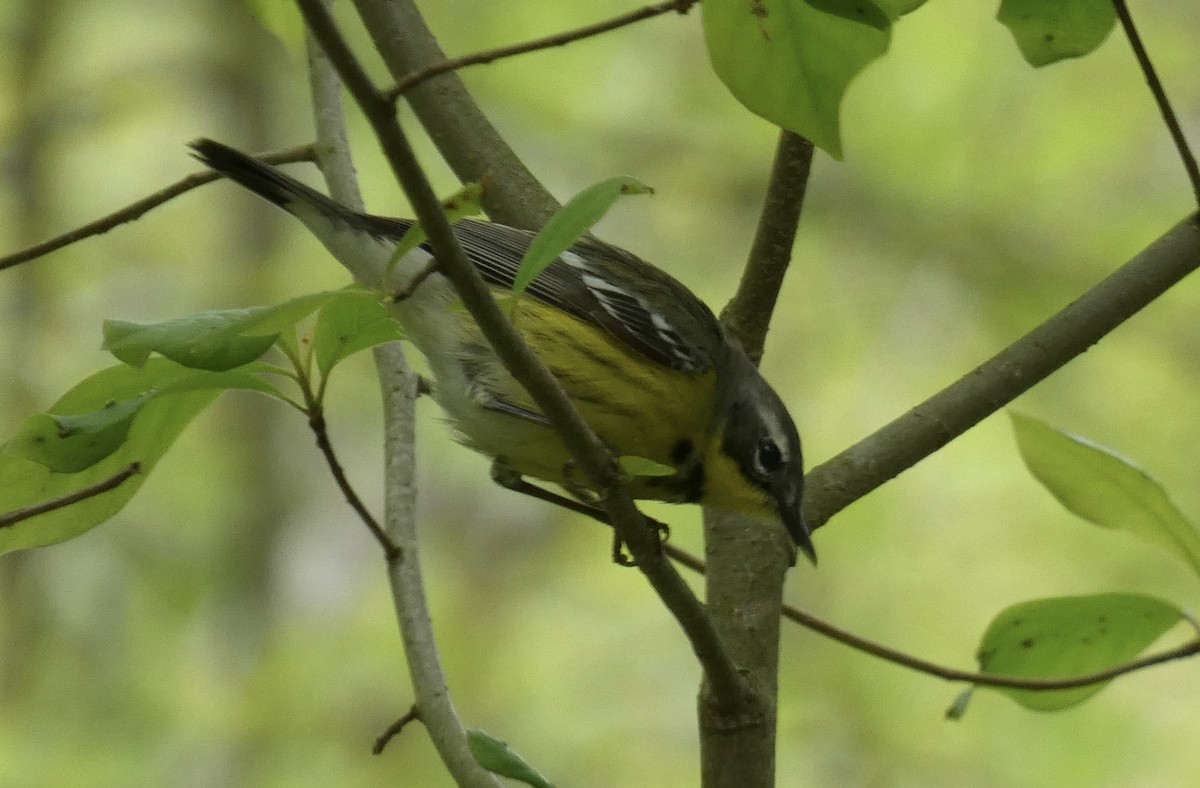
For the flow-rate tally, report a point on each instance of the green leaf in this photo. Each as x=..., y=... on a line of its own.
x=497, y=757
x=898, y=8
x=155, y=427
x=352, y=322
x=640, y=466
x=467, y=201
x=1065, y=637
x=200, y=341
x=570, y=223
x=1047, y=31
x=789, y=62
x=244, y=378
x=70, y=443
x=216, y=340
x=1103, y=488
x=864, y=12
x=276, y=318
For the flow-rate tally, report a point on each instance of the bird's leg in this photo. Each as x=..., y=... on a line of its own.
x=583, y=493
x=577, y=488
x=510, y=479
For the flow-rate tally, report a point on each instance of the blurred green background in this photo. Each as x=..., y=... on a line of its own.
x=233, y=627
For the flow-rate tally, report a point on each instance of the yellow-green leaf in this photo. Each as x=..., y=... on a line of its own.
x=1104, y=488
x=1065, y=637
x=352, y=322
x=496, y=756
x=157, y=423
x=1047, y=31
x=467, y=201
x=570, y=223
x=791, y=63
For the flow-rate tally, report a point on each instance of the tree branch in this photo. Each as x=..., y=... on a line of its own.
x=402, y=86
x=986, y=389
x=332, y=146
x=591, y=456
x=136, y=209
x=399, y=385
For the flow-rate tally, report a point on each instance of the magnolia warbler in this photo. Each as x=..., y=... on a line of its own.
x=643, y=359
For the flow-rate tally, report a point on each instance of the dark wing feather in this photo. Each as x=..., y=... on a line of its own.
x=674, y=329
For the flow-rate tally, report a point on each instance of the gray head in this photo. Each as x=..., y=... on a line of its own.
x=761, y=448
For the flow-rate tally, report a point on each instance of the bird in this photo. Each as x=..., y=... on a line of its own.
x=644, y=360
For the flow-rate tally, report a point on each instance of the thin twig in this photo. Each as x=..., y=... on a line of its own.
x=394, y=730
x=316, y=422
x=1160, y=96
x=548, y=42
x=135, y=210
x=10, y=519
x=866, y=646
x=590, y=454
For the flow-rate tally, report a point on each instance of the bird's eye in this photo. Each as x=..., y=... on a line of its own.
x=768, y=456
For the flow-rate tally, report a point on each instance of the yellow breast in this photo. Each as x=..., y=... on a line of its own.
x=636, y=406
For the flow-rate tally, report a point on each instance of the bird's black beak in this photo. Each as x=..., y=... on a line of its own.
x=797, y=527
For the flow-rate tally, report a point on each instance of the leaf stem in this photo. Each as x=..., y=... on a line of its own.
x=316, y=422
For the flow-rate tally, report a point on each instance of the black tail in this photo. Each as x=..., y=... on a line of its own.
x=262, y=179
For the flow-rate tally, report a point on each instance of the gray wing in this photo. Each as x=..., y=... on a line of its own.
x=676, y=329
